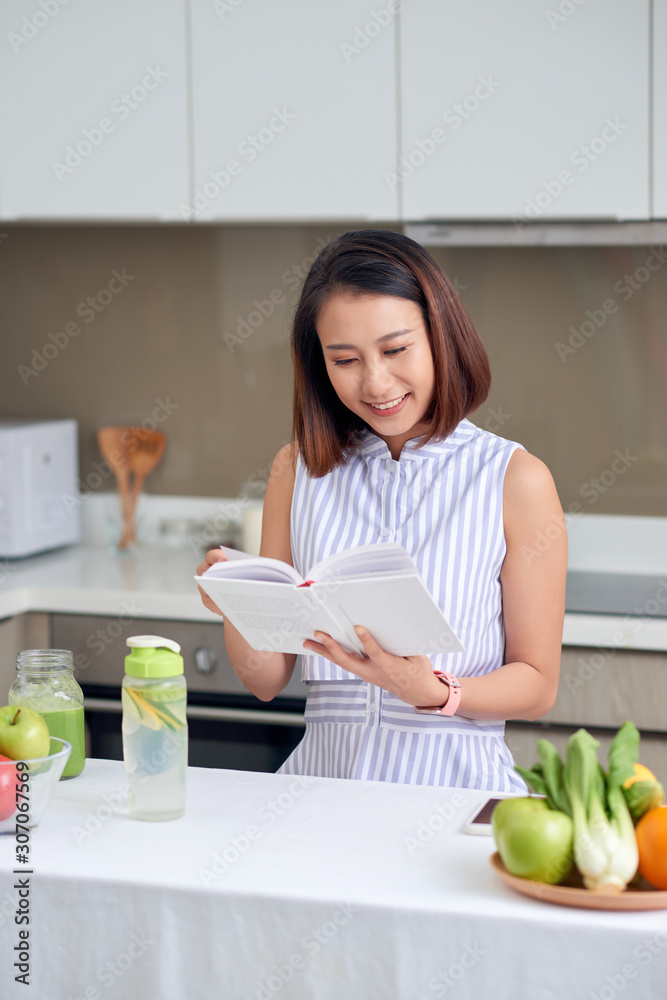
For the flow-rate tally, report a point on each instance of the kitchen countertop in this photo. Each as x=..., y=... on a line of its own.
x=316, y=886
x=156, y=581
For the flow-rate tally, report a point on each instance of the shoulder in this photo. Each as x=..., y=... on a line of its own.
x=283, y=467
x=530, y=497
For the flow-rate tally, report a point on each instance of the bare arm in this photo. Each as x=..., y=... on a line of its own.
x=263, y=673
x=533, y=584
x=533, y=588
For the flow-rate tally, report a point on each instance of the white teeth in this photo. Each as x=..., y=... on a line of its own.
x=387, y=406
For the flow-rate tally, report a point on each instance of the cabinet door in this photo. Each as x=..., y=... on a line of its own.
x=294, y=109
x=660, y=109
x=93, y=121
x=518, y=111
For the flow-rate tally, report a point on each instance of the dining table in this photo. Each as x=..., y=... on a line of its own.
x=276, y=885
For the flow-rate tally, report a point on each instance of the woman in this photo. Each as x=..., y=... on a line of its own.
x=387, y=368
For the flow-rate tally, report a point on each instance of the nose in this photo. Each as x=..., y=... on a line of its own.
x=376, y=382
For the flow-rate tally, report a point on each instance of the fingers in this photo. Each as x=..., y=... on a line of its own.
x=212, y=556
x=208, y=603
x=372, y=648
x=332, y=650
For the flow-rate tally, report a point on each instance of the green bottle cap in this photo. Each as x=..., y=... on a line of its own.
x=153, y=656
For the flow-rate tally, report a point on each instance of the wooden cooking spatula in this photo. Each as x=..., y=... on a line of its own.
x=113, y=444
x=145, y=449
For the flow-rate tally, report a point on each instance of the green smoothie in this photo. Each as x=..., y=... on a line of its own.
x=67, y=724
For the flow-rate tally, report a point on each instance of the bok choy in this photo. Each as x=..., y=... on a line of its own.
x=605, y=846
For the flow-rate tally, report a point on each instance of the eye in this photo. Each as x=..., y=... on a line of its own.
x=394, y=351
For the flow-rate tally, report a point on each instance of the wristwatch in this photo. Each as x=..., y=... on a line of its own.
x=452, y=703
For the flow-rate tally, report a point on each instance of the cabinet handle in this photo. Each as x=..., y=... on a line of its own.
x=208, y=712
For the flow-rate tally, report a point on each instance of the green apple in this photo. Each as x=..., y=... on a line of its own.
x=24, y=735
x=533, y=840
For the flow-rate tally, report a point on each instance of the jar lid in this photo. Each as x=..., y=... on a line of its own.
x=153, y=656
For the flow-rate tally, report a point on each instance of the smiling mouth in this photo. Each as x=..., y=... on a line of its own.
x=388, y=405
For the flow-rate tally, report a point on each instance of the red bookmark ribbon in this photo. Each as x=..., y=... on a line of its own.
x=306, y=584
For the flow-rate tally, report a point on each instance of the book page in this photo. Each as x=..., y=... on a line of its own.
x=380, y=557
x=275, y=616
x=399, y=612
x=243, y=566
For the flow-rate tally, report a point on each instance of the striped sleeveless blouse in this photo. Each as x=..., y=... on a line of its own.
x=443, y=503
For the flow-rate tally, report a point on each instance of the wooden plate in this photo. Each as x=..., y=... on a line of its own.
x=641, y=897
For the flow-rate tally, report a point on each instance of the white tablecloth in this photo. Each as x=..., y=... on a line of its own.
x=299, y=888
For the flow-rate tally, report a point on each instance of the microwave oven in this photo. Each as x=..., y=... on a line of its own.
x=39, y=496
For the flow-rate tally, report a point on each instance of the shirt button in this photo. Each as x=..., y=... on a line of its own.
x=372, y=708
x=384, y=532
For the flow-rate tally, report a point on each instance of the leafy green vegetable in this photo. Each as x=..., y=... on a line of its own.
x=642, y=796
x=546, y=778
x=605, y=847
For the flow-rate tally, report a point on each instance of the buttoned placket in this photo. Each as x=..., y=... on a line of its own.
x=373, y=705
x=389, y=498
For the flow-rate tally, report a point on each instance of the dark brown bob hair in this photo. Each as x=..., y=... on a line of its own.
x=380, y=262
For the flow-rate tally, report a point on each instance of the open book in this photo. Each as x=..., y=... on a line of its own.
x=377, y=586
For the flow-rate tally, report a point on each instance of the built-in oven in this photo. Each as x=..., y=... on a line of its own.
x=227, y=726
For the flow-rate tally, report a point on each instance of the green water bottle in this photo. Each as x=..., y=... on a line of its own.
x=155, y=728
x=45, y=682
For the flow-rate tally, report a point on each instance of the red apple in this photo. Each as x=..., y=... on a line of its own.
x=7, y=788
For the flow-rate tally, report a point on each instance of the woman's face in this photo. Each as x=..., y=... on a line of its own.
x=377, y=351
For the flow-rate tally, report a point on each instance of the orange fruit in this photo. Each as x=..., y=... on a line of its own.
x=641, y=774
x=651, y=834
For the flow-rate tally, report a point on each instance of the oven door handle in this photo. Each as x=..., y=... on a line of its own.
x=267, y=718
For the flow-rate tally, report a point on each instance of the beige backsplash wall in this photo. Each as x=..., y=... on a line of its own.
x=164, y=348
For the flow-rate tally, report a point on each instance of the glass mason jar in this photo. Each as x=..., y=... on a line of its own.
x=45, y=682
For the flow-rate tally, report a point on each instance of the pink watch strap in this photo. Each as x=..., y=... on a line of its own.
x=453, y=701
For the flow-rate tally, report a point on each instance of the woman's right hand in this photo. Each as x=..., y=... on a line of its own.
x=212, y=556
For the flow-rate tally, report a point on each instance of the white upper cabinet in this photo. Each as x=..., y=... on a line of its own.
x=94, y=112
x=531, y=109
x=660, y=109
x=294, y=111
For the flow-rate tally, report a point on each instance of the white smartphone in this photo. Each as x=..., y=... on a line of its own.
x=480, y=821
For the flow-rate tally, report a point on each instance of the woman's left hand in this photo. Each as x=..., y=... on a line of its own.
x=410, y=678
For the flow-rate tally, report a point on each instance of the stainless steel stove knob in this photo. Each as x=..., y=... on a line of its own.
x=206, y=659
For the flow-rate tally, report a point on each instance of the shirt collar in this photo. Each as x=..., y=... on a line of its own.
x=372, y=446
